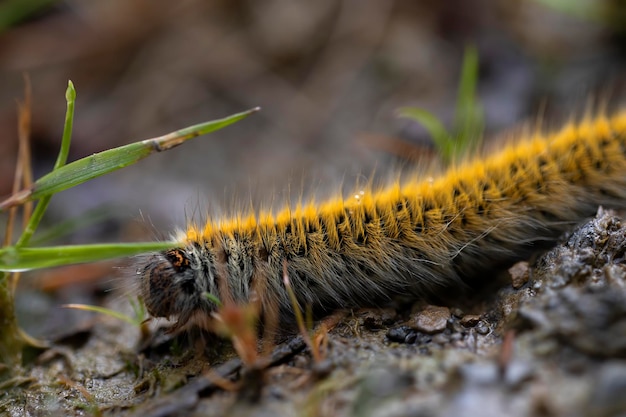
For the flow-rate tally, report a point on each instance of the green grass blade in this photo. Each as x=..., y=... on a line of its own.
x=139, y=309
x=468, y=125
x=212, y=299
x=466, y=96
x=468, y=109
x=42, y=206
x=22, y=259
x=431, y=123
x=111, y=160
x=468, y=121
x=70, y=98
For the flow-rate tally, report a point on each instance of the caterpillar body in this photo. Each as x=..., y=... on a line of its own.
x=415, y=238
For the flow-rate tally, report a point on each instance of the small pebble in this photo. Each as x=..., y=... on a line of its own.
x=410, y=338
x=402, y=334
x=470, y=320
x=519, y=274
x=432, y=319
x=377, y=319
x=482, y=328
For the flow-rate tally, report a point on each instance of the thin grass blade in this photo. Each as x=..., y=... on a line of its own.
x=22, y=259
x=111, y=160
x=440, y=136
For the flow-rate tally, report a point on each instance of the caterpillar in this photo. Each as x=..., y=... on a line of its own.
x=415, y=238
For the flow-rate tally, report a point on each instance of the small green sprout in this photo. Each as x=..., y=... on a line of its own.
x=466, y=134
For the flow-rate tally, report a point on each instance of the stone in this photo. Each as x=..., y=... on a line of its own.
x=432, y=319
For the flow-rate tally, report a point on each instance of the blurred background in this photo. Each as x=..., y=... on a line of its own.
x=328, y=74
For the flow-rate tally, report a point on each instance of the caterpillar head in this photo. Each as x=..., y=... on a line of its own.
x=174, y=284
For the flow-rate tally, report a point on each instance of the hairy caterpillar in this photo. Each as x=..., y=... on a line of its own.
x=416, y=238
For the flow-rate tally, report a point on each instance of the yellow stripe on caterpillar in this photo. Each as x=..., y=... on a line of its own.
x=417, y=238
